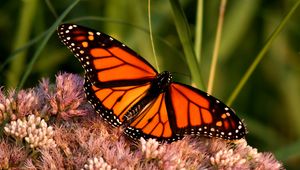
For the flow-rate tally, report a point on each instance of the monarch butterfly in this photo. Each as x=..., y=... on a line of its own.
x=127, y=91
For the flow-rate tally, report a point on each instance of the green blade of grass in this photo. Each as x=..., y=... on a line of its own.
x=213, y=66
x=185, y=38
x=15, y=53
x=151, y=35
x=238, y=20
x=198, y=31
x=22, y=34
x=51, y=8
x=44, y=42
x=261, y=54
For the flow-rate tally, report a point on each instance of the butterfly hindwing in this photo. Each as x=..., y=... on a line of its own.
x=184, y=110
x=106, y=61
x=112, y=103
x=152, y=122
x=192, y=111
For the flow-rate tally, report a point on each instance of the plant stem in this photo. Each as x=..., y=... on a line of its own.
x=151, y=35
x=216, y=47
x=198, y=31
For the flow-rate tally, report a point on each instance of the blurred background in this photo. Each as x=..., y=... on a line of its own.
x=269, y=102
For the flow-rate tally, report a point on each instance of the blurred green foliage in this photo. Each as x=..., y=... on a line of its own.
x=269, y=101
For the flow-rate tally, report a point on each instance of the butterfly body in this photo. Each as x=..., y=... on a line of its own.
x=161, y=83
x=127, y=91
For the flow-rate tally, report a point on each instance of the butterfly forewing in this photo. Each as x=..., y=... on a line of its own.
x=106, y=61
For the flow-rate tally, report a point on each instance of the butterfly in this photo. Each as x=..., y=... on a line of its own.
x=128, y=91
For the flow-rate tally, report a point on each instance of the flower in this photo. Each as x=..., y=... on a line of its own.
x=35, y=131
x=151, y=148
x=68, y=96
x=97, y=163
x=267, y=161
x=184, y=154
x=18, y=104
x=243, y=156
x=77, y=141
x=227, y=159
x=11, y=154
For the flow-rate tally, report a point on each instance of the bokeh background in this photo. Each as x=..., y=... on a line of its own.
x=268, y=103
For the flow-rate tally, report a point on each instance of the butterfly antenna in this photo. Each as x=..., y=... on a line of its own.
x=151, y=35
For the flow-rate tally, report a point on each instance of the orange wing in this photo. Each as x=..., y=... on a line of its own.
x=106, y=61
x=184, y=110
x=152, y=122
x=112, y=103
x=192, y=111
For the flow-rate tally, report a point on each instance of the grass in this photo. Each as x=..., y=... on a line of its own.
x=52, y=30
x=262, y=53
x=185, y=39
x=257, y=65
x=22, y=34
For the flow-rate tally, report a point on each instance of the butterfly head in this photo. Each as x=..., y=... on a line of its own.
x=162, y=82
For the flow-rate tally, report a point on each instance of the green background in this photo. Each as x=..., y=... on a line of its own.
x=268, y=103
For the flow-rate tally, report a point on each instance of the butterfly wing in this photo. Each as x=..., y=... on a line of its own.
x=106, y=61
x=183, y=110
x=152, y=122
x=116, y=77
x=112, y=103
x=195, y=112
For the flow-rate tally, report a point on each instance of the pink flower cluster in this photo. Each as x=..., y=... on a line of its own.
x=90, y=143
x=18, y=104
x=66, y=98
x=34, y=130
x=63, y=100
